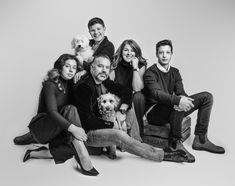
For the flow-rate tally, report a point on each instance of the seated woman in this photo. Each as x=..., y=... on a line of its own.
x=128, y=69
x=57, y=121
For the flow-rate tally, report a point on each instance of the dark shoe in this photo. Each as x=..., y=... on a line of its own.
x=178, y=145
x=111, y=152
x=27, y=155
x=204, y=144
x=25, y=139
x=175, y=155
x=91, y=172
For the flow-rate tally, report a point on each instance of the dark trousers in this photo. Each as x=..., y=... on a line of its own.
x=162, y=114
x=139, y=106
x=44, y=129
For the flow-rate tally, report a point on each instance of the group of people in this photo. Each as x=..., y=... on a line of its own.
x=68, y=117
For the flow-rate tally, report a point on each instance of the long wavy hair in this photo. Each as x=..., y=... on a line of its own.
x=136, y=48
x=54, y=74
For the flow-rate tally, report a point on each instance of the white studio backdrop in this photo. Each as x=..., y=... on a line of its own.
x=34, y=33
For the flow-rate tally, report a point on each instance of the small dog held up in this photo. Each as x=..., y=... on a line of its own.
x=82, y=49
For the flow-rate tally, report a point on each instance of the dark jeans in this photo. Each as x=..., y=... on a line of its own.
x=162, y=114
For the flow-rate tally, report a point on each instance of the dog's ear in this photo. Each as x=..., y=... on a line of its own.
x=73, y=43
x=99, y=101
x=86, y=40
x=117, y=100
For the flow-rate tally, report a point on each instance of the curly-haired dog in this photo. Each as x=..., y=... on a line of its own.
x=107, y=104
x=82, y=49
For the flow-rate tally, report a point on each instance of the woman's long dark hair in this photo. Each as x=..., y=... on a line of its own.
x=54, y=74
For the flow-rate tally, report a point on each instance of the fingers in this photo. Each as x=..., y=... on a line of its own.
x=191, y=105
x=82, y=137
x=76, y=78
x=191, y=99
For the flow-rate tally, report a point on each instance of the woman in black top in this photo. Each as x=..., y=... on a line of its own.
x=57, y=121
x=129, y=67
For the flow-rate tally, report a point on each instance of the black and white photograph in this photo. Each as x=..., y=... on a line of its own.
x=111, y=93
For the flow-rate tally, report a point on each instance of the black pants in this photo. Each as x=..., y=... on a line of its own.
x=162, y=114
x=45, y=130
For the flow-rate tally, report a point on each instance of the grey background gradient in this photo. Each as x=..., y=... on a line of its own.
x=34, y=33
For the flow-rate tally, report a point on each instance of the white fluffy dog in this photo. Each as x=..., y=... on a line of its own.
x=82, y=49
x=107, y=104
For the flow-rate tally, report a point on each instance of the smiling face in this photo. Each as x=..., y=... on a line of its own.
x=100, y=69
x=69, y=69
x=128, y=53
x=97, y=32
x=164, y=54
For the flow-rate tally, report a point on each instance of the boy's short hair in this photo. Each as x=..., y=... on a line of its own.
x=164, y=43
x=95, y=20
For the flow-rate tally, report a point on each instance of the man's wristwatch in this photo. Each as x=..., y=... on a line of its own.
x=136, y=69
x=123, y=111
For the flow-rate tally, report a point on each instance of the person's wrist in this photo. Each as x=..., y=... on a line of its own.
x=136, y=69
x=122, y=111
x=71, y=128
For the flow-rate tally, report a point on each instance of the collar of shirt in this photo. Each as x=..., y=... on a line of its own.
x=161, y=68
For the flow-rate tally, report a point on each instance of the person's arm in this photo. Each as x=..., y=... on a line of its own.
x=83, y=100
x=155, y=91
x=49, y=92
x=137, y=80
x=179, y=87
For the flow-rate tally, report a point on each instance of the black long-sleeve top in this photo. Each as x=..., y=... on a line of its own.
x=162, y=87
x=85, y=99
x=53, y=98
x=106, y=47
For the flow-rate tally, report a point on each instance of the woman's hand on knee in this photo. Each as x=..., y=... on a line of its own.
x=78, y=132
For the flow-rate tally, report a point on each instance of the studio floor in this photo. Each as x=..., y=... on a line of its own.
x=209, y=169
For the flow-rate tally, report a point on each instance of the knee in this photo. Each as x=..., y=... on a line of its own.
x=118, y=136
x=208, y=96
x=139, y=100
x=138, y=97
x=71, y=108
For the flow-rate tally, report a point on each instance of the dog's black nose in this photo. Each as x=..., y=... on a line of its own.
x=108, y=108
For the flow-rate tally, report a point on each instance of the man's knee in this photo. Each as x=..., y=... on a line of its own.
x=208, y=96
x=118, y=136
